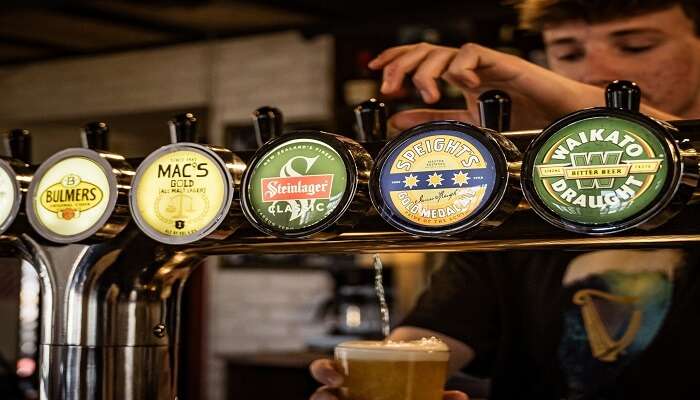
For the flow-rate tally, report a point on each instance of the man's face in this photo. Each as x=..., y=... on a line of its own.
x=658, y=50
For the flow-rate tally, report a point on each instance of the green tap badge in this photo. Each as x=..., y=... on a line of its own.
x=600, y=170
x=297, y=184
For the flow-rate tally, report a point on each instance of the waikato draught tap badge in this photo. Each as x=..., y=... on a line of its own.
x=297, y=184
x=600, y=170
x=438, y=178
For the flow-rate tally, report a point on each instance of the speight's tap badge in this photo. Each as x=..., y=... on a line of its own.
x=438, y=178
x=600, y=170
x=297, y=184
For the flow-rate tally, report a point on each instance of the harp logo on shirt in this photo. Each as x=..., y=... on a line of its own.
x=438, y=178
x=600, y=170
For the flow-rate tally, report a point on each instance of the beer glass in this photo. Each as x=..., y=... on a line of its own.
x=376, y=370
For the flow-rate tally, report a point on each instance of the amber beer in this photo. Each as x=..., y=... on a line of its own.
x=413, y=370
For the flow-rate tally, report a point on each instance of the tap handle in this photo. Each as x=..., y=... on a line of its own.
x=18, y=144
x=183, y=128
x=623, y=95
x=371, y=118
x=95, y=136
x=494, y=110
x=268, y=122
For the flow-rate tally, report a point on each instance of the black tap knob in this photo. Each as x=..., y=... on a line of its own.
x=494, y=110
x=18, y=144
x=95, y=136
x=183, y=128
x=268, y=122
x=623, y=95
x=371, y=118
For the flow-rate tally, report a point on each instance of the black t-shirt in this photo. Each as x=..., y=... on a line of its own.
x=555, y=324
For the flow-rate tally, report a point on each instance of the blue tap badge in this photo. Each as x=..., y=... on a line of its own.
x=437, y=178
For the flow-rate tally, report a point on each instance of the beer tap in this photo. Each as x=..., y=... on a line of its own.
x=80, y=194
x=609, y=169
x=184, y=191
x=448, y=178
x=371, y=120
x=304, y=183
x=15, y=175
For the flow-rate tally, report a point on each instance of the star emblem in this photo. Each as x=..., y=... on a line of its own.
x=460, y=178
x=410, y=181
x=435, y=180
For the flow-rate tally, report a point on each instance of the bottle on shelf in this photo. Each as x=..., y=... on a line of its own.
x=609, y=169
x=184, y=191
x=447, y=178
x=81, y=194
x=302, y=183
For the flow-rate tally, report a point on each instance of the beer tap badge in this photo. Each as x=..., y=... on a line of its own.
x=71, y=196
x=600, y=170
x=437, y=178
x=8, y=194
x=180, y=192
x=297, y=184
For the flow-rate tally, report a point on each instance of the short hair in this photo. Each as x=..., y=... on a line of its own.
x=535, y=14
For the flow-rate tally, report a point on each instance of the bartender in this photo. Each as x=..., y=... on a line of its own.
x=512, y=316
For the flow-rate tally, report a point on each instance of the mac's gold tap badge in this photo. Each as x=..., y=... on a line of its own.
x=72, y=196
x=181, y=193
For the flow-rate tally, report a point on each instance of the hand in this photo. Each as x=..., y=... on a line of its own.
x=539, y=95
x=325, y=372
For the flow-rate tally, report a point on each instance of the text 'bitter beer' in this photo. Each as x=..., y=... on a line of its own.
x=414, y=370
x=297, y=184
x=181, y=192
x=600, y=170
x=72, y=196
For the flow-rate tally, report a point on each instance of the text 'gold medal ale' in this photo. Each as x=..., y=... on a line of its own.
x=184, y=191
x=81, y=193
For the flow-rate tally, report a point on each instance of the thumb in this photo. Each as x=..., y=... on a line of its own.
x=454, y=395
x=410, y=118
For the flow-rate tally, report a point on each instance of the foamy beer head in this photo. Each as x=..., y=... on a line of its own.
x=414, y=370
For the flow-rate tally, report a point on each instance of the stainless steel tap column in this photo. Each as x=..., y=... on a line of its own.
x=110, y=317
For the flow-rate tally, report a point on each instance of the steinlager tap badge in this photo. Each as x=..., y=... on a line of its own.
x=181, y=193
x=72, y=196
x=438, y=178
x=600, y=170
x=297, y=184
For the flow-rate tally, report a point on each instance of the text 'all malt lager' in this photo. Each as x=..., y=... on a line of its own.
x=605, y=170
x=414, y=370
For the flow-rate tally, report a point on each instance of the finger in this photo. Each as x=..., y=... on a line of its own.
x=388, y=55
x=455, y=395
x=461, y=71
x=396, y=71
x=324, y=371
x=324, y=393
x=408, y=119
x=434, y=65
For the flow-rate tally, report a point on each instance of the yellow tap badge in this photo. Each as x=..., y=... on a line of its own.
x=72, y=196
x=181, y=193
